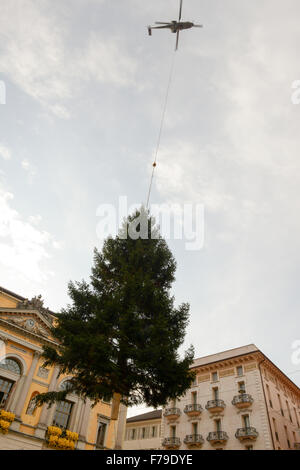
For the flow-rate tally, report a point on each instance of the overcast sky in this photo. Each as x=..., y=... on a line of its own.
x=84, y=92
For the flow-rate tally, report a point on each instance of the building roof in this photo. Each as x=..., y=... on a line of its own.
x=12, y=294
x=19, y=297
x=237, y=352
x=155, y=414
x=230, y=353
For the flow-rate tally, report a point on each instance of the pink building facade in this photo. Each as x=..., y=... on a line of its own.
x=239, y=400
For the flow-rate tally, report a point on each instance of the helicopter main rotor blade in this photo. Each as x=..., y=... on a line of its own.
x=177, y=40
x=162, y=22
x=198, y=25
x=180, y=10
x=161, y=27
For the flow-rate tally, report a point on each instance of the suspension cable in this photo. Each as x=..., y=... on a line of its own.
x=161, y=127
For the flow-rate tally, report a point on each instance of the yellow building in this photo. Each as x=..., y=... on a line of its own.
x=24, y=330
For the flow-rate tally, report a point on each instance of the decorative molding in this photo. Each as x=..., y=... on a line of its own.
x=28, y=334
x=19, y=349
x=40, y=383
x=36, y=303
x=28, y=324
x=226, y=373
x=204, y=378
x=43, y=373
x=24, y=343
x=102, y=418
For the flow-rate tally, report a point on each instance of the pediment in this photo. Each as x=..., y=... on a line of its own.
x=30, y=321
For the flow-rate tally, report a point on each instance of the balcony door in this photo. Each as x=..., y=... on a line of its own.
x=5, y=389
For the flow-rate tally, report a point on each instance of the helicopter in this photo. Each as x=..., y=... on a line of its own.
x=175, y=26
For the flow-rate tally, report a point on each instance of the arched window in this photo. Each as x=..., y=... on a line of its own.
x=65, y=385
x=62, y=414
x=11, y=365
x=31, y=408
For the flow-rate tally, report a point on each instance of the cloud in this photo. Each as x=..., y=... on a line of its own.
x=36, y=55
x=30, y=169
x=24, y=248
x=5, y=152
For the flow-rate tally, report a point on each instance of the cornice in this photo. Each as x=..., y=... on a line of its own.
x=28, y=311
x=230, y=362
x=273, y=369
x=27, y=333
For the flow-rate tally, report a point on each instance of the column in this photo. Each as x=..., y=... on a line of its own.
x=78, y=416
x=83, y=427
x=46, y=412
x=121, y=428
x=23, y=388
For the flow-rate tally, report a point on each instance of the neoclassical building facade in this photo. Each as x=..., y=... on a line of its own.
x=240, y=400
x=24, y=330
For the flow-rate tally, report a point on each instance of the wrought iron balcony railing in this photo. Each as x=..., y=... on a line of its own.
x=215, y=405
x=193, y=408
x=217, y=436
x=193, y=439
x=244, y=399
x=246, y=433
x=172, y=412
x=171, y=442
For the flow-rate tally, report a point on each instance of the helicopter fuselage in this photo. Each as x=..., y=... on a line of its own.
x=176, y=26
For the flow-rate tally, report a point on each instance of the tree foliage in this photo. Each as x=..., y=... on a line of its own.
x=122, y=332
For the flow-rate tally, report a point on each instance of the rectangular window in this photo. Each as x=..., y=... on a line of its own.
x=249, y=447
x=296, y=417
x=195, y=428
x=194, y=398
x=216, y=393
x=288, y=410
x=287, y=437
x=214, y=376
x=246, y=421
x=5, y=389
x=280, y=405
x=218, y=425
x=239, y=371
x=269, y=396
x=101, y=434
x=172, y=431
x=154, y=431
x=62, y=414
x=275, y=429
x=143, y=436
x=242, y=387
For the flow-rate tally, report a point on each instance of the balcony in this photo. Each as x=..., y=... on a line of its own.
x=194, y=440
x=215, y=406
x=246, y=434
x=172, y=413
x=244, y=400
x=297, y=446
x=171, y=443
x=193, y=410
x=217, y=437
